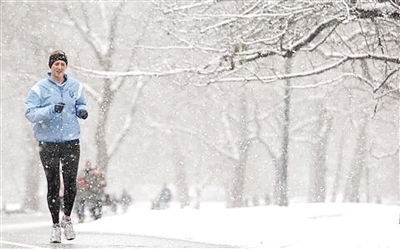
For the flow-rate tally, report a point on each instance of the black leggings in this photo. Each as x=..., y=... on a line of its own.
x=51, y=155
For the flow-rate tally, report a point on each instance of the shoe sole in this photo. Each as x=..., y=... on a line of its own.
x=69, y=238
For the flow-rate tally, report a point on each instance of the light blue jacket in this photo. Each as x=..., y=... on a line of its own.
x=48, y=125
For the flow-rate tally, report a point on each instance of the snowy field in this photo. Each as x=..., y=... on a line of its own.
x=303, y=226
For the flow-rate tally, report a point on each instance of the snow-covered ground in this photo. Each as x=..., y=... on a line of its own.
x=297, y=226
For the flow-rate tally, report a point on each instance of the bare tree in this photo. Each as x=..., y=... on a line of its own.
x=248, y=33
x=228, y=45
x=180, y=174
x=237, y=192
x=358, y=164
x=319, y=167
x=105, y=49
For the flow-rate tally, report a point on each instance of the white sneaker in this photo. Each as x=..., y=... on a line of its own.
x=68, y=229
x=55, y=236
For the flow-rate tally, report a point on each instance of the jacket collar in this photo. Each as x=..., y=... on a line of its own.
x=65, y=79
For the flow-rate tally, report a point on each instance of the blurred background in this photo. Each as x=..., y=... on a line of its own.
x=242, y=102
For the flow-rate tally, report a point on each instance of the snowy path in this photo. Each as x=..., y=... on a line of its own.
x=299, y=226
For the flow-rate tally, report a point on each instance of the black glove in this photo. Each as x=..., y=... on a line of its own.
x=83, y=114
x=59, y=107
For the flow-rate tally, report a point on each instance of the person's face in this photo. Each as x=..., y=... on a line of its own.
x=58, y=68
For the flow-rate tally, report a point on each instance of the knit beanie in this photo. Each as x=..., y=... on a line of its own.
x=57, y=55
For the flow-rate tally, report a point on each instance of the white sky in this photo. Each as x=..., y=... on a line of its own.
x=298, y=226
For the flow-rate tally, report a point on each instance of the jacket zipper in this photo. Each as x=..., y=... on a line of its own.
x=62, y=120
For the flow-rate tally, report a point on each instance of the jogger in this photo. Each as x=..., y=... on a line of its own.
x=54, y=105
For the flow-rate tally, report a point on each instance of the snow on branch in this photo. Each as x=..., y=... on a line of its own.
x=385, y=155
x=90, y=37
x=128, y=121
x=110, y=74
x=336, y=79
x=313, y=34
x=93, y=92
x=189, y=47
x=246, y=15
x=381, y=57
x=253, y=16
x=270, y=79
x=306, y=40
x=386, y=79
x=187, y=7
x=395, y=4
x=387, y=92
x=342, y=58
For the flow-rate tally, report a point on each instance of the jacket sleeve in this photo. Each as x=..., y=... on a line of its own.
x=80, y=103
x=34, y=112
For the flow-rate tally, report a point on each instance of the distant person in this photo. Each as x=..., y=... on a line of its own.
x=96, y=194
x=112, y=202
x=165, y=197
x=126, y=200
x=91, y=192
x=54, y=105
x=256, y=201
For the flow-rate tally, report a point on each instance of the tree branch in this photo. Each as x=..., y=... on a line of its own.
x=335, y=21
x=381, y=156
x=128, y=121
x=269, y=79
x=386, y=79
x=110, y=74
x=364, y=13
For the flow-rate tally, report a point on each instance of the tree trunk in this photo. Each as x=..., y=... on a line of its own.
x=318, y=169
x=32, y=173
x=352, y=193
x=282, y=162
x=280, y=188
x=102, y=159
x=338, y=171
x=239, y=199
x=180, y=177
